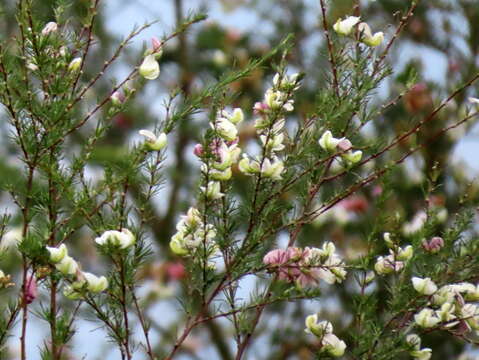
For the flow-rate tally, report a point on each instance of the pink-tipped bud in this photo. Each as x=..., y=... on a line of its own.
x=260, y=108
x=344, y=145
x=156, y=44
x=117, y=98
x=31, y=291
x=198, y=150
x=433, y=245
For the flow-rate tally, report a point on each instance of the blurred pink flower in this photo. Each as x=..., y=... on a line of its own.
x=175, y=270
x=433, y=245
x=31, y=291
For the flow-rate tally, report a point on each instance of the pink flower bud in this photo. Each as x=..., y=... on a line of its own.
x=344, y=145
x=31, y=291
x=156, y=44
x=198, y=150
x=433, y=245
x=117, y=98
x=260, y=108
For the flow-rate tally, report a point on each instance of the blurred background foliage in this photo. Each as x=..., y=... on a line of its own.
x=439, y=48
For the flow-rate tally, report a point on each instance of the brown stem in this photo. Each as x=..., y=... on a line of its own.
x=330, y=49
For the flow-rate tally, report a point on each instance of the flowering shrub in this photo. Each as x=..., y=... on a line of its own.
x=293, y=214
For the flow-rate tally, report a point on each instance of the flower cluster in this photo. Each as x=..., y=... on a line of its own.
x=191, y=233
x=306, y=266
x=394, y=262
x=84, y=281
x=223, y=152
x=453, y=306
x=341, y=145
x=330, y=343
x=224, y=155
x=345, y=27
x=269, y=126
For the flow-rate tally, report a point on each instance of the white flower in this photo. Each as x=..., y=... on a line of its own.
x=277, y=99
x=70, y=293
x=274, y=142
x=446, y=314
x=192, y=217
x=212, y=191
x=49, y=28
x=345, y=27
x=225, y=129
x=387, y=265
x=221, y=175
x=318, y=328
x=424, y=286
x=414, y=340
x=426, y=318
x=149, y=68
x=405, y=254
x=367, y=36
x=328, y=142
x=122, y=239
x=470, y=314
x=388, y=240
x=474, y=101
x=333, y=345
x=178, y=246
x=57, y=254
x=75, y=64
x=445, y=294
x=272, y=169
x=416, y=224
x=423, y=354
x=352, y=157
x=95, y=284
x=227, y=155
x=471, y=292
x=248, y=167
x=286, y=82
x=235, y=117
x=153, y=142
x=67, y=266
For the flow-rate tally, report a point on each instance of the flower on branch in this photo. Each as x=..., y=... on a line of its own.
x=153, y=142
x=120, y=239
x=149, y=68
x=345, y=27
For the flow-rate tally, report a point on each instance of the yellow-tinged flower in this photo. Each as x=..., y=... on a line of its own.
x=153, y=142
x=75, y=64
x=368, y=37
x=57, y=254
x=149, y=68
x=345, y=27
